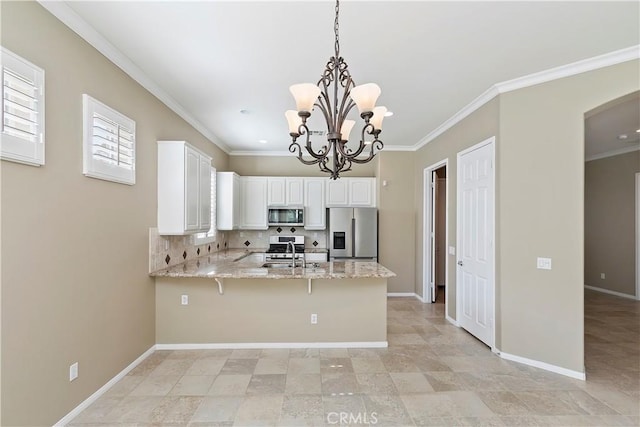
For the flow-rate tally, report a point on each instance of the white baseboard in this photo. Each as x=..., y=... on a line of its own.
x=405, y=294
x=607, y=291
x=102, y=390
x=452, y=321
x=267, y=345
x=542, y=365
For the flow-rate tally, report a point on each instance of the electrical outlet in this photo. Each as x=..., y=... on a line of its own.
x=602, y=276
x=544, y=264
x=184, y=300
x=314, y=319
x=73, y=371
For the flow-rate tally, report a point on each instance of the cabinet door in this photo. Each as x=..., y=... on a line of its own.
x=276, y=192
x=362, y=192
x=316, y=257
x=337, y=193
x=254, y=203
x=236, y=216
x=192, y=190
x=295, y=192
x=315, y=214
x=205, y=193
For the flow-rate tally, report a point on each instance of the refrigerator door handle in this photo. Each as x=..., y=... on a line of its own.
x=353, y=237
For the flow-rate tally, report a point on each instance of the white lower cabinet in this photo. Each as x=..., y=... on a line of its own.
x=315, y=257
x=253, y=203
x=315, y=212
x=184, y=189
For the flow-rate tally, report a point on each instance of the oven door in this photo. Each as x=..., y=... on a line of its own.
x=286, y=216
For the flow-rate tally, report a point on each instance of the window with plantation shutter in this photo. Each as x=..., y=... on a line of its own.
x=209, y=236
x=109, y=143
x=22, y=110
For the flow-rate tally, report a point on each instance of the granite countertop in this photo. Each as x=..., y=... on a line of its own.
x=247, y=264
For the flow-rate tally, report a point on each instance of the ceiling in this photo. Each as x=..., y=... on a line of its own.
x=214, y=59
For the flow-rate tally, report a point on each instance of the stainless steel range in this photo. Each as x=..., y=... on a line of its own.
x=280, y=248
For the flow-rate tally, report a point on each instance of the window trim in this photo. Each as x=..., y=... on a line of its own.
x=13, y=148
x=95, y=168
x=211, y=235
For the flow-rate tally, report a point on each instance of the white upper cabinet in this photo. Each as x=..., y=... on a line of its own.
x=351, y=192
x=253, y=202
x=315, y=214
x=276, y=191
x=184, y=189
x=362, y=192
x=295, y=192
x=337, y=193
x=285, y=192
x=228, y=212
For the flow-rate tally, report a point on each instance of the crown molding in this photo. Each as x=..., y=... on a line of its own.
x=72, y=20
x=606, y=60
x=260, y=153
x=612, y=153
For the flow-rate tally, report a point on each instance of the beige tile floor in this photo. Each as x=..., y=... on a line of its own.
x=432, y=374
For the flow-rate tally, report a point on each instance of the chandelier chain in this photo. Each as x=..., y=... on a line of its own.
x=336, y=28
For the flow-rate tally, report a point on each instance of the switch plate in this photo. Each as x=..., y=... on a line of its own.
x=602, y=275
x=452, y=250
x=314, y=319
x=73, y=371
x=184, y=300
x=544, y=263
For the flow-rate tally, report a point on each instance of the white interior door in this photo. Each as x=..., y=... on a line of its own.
x=475, y=235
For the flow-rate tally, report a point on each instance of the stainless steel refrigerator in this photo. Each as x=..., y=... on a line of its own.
x=353, y=233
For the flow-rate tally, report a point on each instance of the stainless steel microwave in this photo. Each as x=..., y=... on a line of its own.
x=284, y=216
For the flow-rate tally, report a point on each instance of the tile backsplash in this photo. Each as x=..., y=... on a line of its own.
x=259, y=239
x=167, y=251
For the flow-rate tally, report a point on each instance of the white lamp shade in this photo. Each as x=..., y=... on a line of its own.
x=378, y=115
x=347, y=125
x=294, y=121
x=305, y=95
x=365, y=96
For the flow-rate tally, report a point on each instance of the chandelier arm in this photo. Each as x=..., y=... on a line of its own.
x=323, y=108
x=378, y=146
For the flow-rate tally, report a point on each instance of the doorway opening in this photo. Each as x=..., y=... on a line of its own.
x=611, y=219
x=435, y=234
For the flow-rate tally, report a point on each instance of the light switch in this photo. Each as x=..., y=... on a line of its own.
x=544, y=263
x=452, y=250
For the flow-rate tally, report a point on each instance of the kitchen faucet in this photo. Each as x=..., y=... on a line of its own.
x=293, y=255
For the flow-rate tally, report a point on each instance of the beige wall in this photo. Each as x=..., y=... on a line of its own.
x=289, y=166
x=74, y=249
x=609, y=222
x=540, y=210
x=480, y=125
x=539, y=207
x=396, y=219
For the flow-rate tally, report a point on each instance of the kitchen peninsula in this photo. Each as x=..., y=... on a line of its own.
x=235, y=302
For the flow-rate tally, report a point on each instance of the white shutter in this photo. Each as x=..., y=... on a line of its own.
x=109, y=143
x=209, y=236
x=22, y=110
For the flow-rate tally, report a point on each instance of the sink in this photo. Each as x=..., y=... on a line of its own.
x=277, y=265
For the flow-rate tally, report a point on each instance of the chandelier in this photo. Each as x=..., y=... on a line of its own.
x=335, y=95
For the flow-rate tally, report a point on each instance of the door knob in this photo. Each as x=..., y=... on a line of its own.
x=460, y=263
